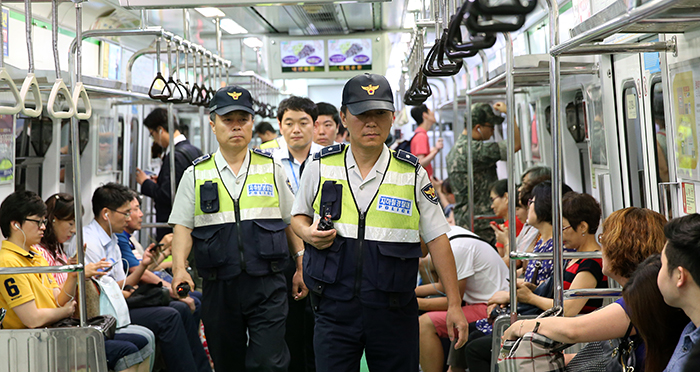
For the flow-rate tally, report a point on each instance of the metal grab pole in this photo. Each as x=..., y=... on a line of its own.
x=510, y=145
x=171, y=155
x=555, y=93
x=75, y=157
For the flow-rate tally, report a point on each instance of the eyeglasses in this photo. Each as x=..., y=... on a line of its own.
x=42, y=222
x=127, y=214
x=565, y=228
x=530, y=201
x=2, y=315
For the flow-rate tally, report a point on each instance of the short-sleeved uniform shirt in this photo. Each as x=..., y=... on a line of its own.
x=432, y=220
x=420, y=145
x=485, y=156
x=19, y=289
x=292, y=167
x=183, y=211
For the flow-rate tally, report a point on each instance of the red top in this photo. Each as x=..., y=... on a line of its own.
x=518, y=228
x=421, y=146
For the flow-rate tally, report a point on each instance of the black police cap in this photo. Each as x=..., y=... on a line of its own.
x=231, y=98
x=368, y=92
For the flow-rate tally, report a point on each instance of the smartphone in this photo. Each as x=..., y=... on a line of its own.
x=148, y=173
x=156, y=247
x=109, y=268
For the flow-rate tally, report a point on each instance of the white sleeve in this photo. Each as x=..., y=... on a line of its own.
x=284, y=191
x=93, y=252
x=183, y=207
x=464, y=259
x=308, y=187
x=432, y=218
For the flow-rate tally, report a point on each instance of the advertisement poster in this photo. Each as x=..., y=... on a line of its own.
x=5, y=17
x=685, y=93
x=111, y=60
x=302, y=56
x=7, y=139
x=350, y=54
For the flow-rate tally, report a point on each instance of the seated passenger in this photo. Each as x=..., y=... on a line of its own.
x=678, y=281
x=447, y=197
x=480, y=273
x=36, y=300
x=111, y=205
x=629, y=236
x=499, y=204
x=659, y=324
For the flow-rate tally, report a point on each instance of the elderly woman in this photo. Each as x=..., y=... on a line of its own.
x=629, y=236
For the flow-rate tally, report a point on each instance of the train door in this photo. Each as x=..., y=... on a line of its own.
x=641, y=136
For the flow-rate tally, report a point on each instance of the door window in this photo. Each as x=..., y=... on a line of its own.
x=635, y=158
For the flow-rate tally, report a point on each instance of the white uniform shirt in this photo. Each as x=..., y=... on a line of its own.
x=183, y=208
x=292, y=167
x=100, y=245
x=432, y=219
x=480, y=264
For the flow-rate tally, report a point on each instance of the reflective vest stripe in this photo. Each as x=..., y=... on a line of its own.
x=333, y=172
x=229, y=217
x=400, y=179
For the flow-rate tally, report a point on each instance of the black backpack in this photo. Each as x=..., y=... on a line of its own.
x=405, y=145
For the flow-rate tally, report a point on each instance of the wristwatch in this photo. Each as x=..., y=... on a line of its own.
x=298, y=254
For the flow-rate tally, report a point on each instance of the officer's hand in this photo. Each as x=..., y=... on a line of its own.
x=298, y=287
x=140, y=176
x=319, y=239
x=180, y=276
x=455, y=319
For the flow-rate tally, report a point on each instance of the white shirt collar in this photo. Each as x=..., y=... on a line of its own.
x=379, y=166
x=179, y=138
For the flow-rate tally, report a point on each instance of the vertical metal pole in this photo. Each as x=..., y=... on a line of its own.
x=510, y=144
x=219, y=45
x=171, y=151
x=557, y=165
x=144, y=19
x=470, y=161
x=75, y=157
x=186, y=23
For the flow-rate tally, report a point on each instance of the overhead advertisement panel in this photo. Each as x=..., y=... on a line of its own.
x=302, y=56
x=349, y=54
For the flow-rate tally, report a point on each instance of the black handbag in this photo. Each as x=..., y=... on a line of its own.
x=148, y=295
x=607, y=356
x=546, y=289
x=106, y=324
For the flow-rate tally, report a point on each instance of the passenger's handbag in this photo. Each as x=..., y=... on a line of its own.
x=112, y=301
x=148, y=295
x=533, y=352
x=106, y=324
x=607, y=356
x=545, y=289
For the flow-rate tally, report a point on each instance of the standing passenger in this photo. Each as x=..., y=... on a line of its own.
x=420, y=145
x=234, y=208
x=363, y=271
x=485, y=155
x=159, y=189
x=326, y=128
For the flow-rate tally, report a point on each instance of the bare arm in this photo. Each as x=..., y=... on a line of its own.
x=296, y=245
x=605, y=324
x=444, y=262
x=583, y=279
x=182, y=244
x=33, y=317
x=436, y=303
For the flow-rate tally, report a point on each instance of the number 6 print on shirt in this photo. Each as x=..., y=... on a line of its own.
x=11, y=288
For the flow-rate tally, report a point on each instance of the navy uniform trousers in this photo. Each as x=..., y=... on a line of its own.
x=344, y=329
x=244, y=321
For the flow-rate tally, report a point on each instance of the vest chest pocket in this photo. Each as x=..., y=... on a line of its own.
x=324, y=264
x=397, y=266
x=210, y=245
x=270, y=239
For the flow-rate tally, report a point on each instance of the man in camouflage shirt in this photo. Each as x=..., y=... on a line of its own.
x=485, y=155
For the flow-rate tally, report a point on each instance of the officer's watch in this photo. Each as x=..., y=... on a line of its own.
x=298, y=254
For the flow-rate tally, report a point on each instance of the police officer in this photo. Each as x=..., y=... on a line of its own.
x=233, y=208
x=362, y=271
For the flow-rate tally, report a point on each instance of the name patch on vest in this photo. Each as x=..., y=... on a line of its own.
x=261, y=189
x=395, y=205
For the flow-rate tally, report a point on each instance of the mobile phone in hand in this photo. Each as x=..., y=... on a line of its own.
x=109, y=268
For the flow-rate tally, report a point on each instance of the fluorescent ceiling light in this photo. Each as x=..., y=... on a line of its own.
x=253, y=42
x=211, y=12
x=409, y=20
x=414, y=6
x=233, y=28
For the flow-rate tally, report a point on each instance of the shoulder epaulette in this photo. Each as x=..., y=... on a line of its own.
x=407, y=157
x=201, y=159
x=330, y=150
x=264, y=153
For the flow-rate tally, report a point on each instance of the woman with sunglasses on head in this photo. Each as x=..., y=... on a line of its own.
x=126, y=351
